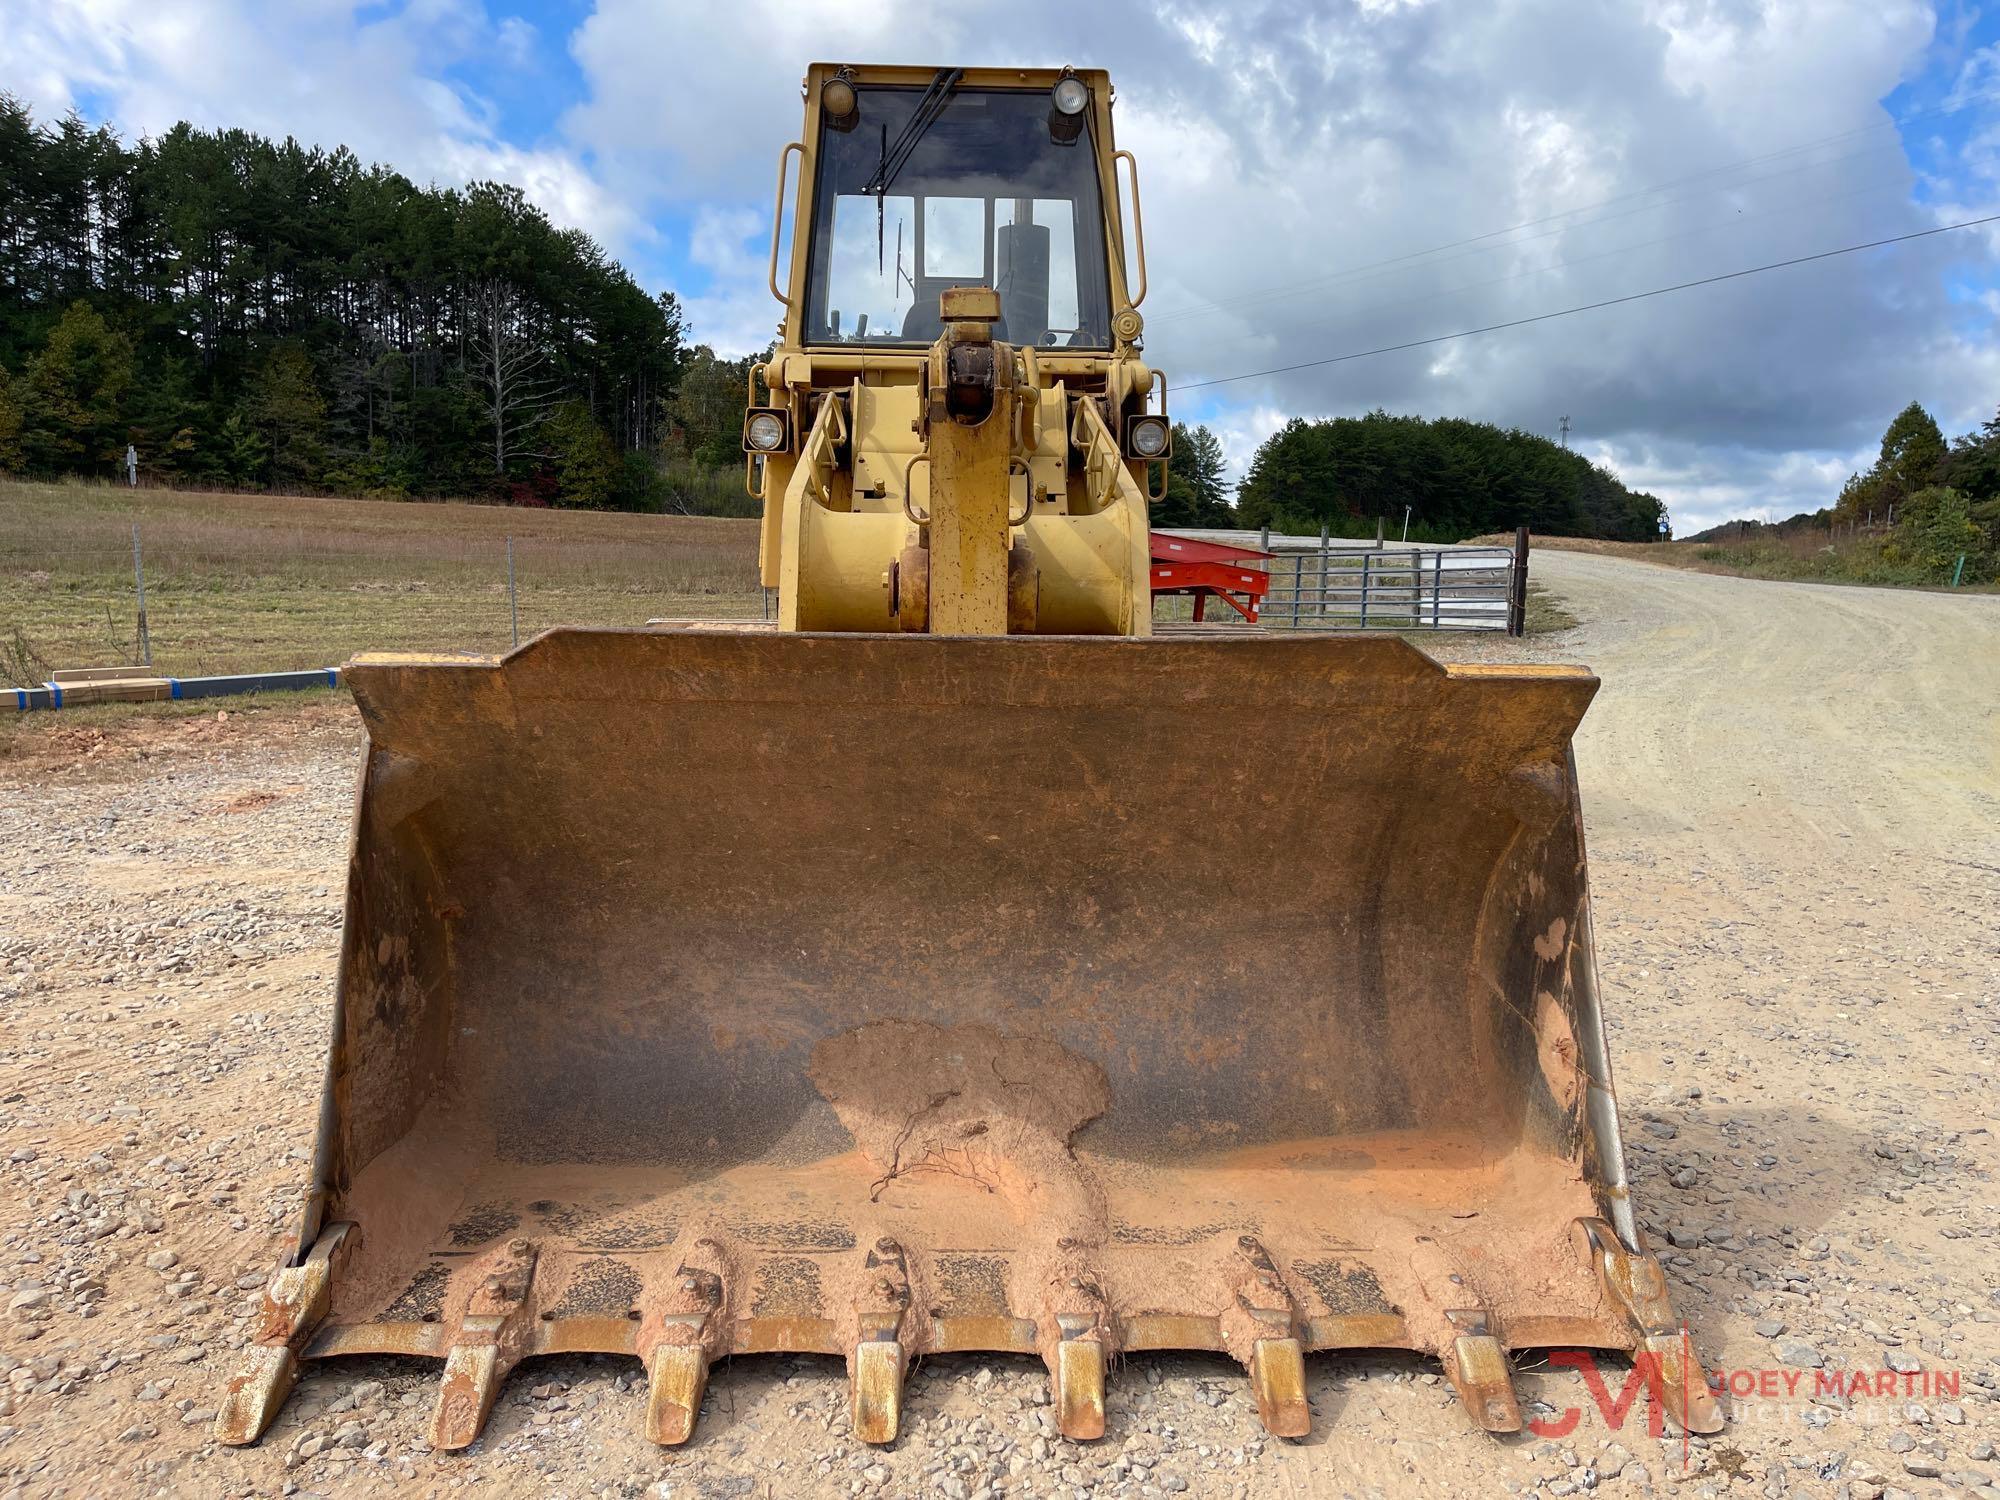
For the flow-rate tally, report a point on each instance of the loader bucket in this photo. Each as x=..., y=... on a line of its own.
x=710, y=993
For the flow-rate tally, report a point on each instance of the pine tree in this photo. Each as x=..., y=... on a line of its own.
x=10, y=424
x=289, y=414
x=1912, y=450
x=1197, y=491
x=586, y=465
x=70, y=421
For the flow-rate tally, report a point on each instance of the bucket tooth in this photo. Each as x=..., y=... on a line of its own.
x=295, y=1303
x=677, y=1376
x=1476, y=1365
x=1635, y=1282
x=878, y=1390
x=1277, y=1357
x=677, y=1365
x=1684, y=1387
x=879, y=1360
x=255, y=1394
x=1078, y=1374
x=485, y=1350
x=1079, y=1315
x=472, y=1376
x=1278, y=1382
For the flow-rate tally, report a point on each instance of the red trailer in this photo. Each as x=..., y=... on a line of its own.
x=1206, y=570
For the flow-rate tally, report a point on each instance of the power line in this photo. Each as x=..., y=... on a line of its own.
x=1317, y=325
x=1661, y=291
x=1415, y=260
x=1951, y=107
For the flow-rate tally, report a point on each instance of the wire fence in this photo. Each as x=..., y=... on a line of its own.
x=194, y=588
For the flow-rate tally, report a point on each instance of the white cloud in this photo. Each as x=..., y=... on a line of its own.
x=518, y=40
x=1242, y=429
x=736, y=313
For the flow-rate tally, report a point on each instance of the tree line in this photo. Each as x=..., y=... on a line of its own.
x=250, y=312
x=1924, y=503
x=1457, y=478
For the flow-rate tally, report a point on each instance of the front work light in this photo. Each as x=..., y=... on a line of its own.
x=764, y=432
x=1148, y=437
x=1070, y=96
x=837, y=101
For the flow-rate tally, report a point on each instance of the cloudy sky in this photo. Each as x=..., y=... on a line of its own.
x=1319, y=179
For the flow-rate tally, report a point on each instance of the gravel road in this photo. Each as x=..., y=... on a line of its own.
x=1793, y=797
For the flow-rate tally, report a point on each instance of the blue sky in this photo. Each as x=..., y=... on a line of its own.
x=1288, y=150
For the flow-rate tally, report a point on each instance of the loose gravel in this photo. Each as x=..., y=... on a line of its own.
x=1800, y=943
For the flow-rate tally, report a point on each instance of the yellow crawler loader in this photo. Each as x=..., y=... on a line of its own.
x=961, y=965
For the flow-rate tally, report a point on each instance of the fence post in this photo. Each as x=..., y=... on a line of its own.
x=513, y=601
x=1325, y=559
x=1298, y=584
x=1416, y=587
x=1957, y=573
x=1517, y=600
x=1364, y=579
x=1437, y=586
x=1264, y=538
x=1380, y=533
x=139, y=577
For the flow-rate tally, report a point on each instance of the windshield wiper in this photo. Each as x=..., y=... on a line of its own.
x=895, y=155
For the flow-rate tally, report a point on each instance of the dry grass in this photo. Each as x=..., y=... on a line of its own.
x=270, y=582
x=273, y=582
x=1799, y=557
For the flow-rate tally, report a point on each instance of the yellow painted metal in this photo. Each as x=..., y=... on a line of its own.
x=1037, y=490
x=971, y=459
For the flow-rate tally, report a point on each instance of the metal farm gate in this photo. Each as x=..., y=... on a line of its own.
x=1392, y=588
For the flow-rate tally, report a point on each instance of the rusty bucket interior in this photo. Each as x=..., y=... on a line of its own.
x=709, y=993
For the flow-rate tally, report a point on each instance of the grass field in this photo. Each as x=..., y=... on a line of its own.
x=270, y=582
x=273, y=582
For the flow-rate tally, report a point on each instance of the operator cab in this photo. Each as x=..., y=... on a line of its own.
x=922, y=189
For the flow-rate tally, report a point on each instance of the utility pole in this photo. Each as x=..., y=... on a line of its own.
x=1565, y=429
